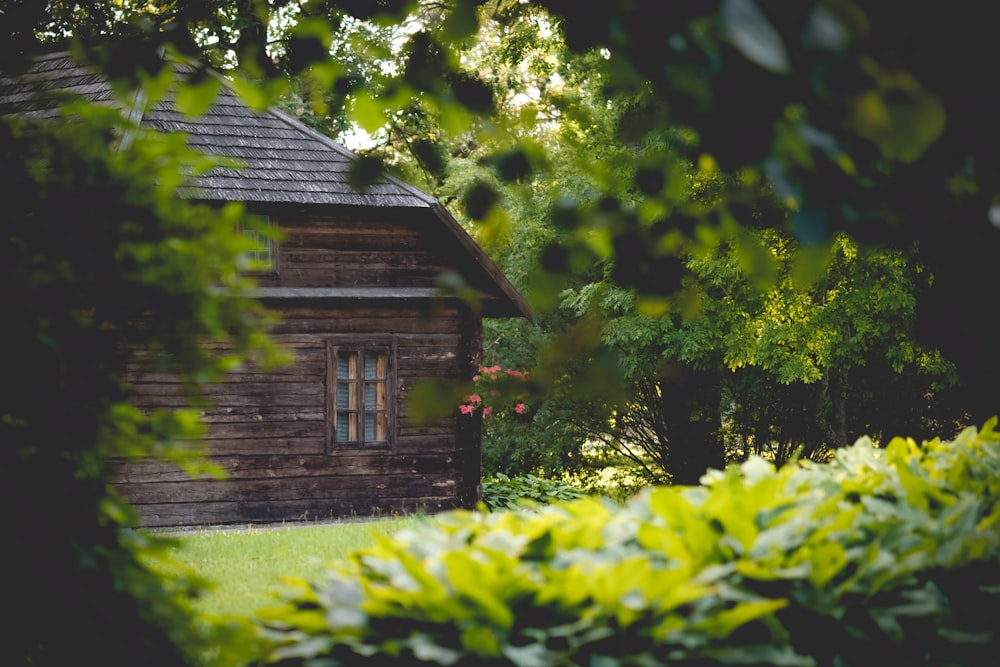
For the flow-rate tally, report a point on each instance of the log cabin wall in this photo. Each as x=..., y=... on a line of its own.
x=357, y=247
x=354, y=250
x=272, y=432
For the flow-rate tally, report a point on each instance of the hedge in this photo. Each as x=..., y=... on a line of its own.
x=879, y=554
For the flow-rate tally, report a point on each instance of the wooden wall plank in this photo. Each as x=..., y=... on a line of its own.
x=267, y=429
x=285, y=489
x=343, y=463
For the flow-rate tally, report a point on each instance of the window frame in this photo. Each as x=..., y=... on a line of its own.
x=272, y=244
x=335, y=345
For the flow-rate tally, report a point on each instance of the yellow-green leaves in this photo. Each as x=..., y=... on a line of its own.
x=899, y=115
x=197, y=95
x=877, y=550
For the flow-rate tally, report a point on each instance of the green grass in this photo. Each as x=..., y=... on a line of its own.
x=243, y=565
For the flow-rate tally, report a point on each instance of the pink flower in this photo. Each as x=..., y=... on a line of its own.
x=494, y=392
x=487, y=411
x=466, y=409
x=475, y=398
x=475, y=378
x=519, y=408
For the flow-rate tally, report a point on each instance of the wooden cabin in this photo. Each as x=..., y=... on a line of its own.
x=355, y=280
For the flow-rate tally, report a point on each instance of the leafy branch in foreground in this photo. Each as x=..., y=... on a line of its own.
x=103, y=263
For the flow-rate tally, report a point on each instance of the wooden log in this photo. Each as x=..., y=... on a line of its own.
x=236, y=467
x=285, y=489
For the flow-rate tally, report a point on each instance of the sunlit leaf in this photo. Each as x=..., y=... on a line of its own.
x=369, y=112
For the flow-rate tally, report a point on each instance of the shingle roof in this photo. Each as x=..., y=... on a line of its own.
x=283, y=161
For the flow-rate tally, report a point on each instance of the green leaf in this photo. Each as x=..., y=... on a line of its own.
x=195, y=98
x=369, y=112
x=899, y=115
x=477, y=581
x=724, y=623
x=753, y=35
x=461, y=22
x=482, y=641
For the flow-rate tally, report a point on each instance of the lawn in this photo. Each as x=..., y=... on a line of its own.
x=244, y=564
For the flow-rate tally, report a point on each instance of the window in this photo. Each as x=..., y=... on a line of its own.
x=361, y=395
x=262, y=256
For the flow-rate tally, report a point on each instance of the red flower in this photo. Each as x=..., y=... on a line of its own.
x=519, y=408
x=466, y=409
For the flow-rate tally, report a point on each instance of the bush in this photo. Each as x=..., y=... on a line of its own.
x=503, y=492
x=878, y=552
x=99, y=258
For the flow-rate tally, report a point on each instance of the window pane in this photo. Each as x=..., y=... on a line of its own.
x=344, y=426
x=344, y=395
x=375, y=366
x=259, y=257
x=347, y=365
x=370, y=396
x=375, y=426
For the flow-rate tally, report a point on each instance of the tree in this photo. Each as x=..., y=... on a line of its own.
x=799, y=364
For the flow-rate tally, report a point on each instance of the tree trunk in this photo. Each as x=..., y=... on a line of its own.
x=690, y=407
x=831, y=408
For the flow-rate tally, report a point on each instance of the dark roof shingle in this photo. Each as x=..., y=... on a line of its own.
x=275, y=150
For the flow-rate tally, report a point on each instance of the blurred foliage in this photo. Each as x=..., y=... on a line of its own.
x=880, y=552
x=104, y=266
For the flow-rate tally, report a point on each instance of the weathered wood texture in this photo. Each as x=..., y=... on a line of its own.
x=368, y=248
x=269, y=430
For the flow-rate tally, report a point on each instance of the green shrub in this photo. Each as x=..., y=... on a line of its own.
x=503, y=492
x=99, y=258
x=880, y=552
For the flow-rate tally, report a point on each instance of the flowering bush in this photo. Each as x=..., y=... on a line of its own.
x=497, y=390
